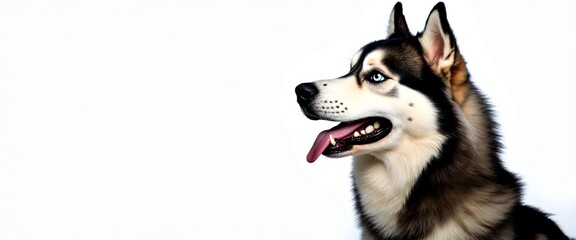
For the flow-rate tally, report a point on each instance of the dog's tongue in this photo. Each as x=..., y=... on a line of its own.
x=323, y=139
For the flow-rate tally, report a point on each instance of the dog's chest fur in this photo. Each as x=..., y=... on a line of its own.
x=382, y=188
x=384, y=184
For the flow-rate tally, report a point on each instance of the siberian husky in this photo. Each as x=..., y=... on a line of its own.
x=424, y=141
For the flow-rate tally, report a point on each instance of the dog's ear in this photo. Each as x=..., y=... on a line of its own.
x=397, y=25
x=442, y=54
x=437, y=40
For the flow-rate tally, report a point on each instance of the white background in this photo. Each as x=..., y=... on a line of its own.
x=166, y=119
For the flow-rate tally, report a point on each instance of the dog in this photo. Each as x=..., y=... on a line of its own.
x=424, y=141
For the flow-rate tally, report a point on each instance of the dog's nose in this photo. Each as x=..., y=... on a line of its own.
x=306, y=92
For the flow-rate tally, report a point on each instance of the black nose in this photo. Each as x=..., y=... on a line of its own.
x=305, y=92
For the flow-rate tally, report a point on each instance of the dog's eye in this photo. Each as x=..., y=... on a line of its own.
x=376, y=76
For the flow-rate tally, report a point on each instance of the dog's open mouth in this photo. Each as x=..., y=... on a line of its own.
x=347, y=134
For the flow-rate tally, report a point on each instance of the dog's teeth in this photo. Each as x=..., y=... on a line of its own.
x=376, y=125
x=363, y=132
x=332, y=140
x=369, y=129
x=356, y=134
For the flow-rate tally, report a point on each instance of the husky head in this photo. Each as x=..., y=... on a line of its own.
x=395, y=91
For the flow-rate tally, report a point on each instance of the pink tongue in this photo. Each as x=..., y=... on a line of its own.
x=323, y=139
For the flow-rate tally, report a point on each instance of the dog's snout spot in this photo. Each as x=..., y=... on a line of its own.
x=411, y=104
x=331, y=107
x=410, y=119
x=325, y=84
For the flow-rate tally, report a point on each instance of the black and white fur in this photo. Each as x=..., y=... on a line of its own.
x=437, y=173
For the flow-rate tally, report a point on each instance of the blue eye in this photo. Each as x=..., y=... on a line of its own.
x=376, y=76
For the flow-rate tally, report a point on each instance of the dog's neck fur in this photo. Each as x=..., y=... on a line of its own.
x=384, y=182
